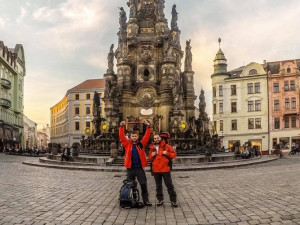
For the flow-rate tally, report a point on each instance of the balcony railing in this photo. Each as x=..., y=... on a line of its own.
x=5, y=83
x=5, y=102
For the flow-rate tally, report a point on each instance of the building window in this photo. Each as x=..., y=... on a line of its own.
x=294, y=122
x=253, y=71
x=286, y=122
x=292, y=85
x=221, y=125
x=88, y=110
x=76, y=110
x=257, y=87
x=257, y=105
x=233, y=124
x=214, y=92
x=277, y=123
x=288, y=70
x=275, y=87
x=286, y=85
x=215, y=126
x=293, y=103
x=233, y=106
x=76, y=96
x=257, y=123
x=221, y=107
x=88, y=96
x=251, y=123
x=215, y=108
x=276, y=105
x=233, y=89
x=76, y=125
x=250, y=106
x=287, y=103
x=250, y=88
x=220, y=91
x=87, y=124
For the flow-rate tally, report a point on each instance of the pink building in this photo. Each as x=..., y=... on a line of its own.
x=284, y=110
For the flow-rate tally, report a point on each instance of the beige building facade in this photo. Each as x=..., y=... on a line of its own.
x=71, y=117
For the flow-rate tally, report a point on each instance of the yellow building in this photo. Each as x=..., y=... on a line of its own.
x=74, y=113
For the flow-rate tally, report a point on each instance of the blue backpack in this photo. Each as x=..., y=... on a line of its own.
x=129, y=195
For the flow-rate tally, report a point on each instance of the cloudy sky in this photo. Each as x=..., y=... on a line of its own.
x=67, y=41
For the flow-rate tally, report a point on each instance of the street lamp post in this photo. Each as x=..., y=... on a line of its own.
x=222, y=139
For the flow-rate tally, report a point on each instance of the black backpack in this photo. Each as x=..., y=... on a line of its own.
x=129, y=195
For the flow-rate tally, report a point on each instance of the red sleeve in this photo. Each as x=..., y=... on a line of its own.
x=150, y=157
x=122, y=136
x=146, y=137
x=171, y=152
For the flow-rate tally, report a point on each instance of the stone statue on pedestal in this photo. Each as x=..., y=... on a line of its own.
x=122, y=19
x=174, y=18
x=110, y=59
x=188, y=56
x=160, y=8
x=133, y=8
x=202, y=103
x=176, y=95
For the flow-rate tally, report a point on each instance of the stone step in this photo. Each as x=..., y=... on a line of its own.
x=179, y=167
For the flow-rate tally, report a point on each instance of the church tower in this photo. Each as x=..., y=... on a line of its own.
x=149, y=83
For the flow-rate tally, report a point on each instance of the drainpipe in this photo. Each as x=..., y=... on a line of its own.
x=269, y=136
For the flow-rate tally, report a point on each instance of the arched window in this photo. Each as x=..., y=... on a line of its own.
x=146, y=73
x=288, y=70
x=253, y=71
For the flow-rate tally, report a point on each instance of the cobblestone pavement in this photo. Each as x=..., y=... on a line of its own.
x=259, y=194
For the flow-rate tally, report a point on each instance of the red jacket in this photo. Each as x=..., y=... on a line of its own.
x=127, y=144
x=160, y=163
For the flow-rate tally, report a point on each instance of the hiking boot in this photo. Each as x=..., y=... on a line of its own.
x=160, y=203
x=174, y=204
x=147, y=204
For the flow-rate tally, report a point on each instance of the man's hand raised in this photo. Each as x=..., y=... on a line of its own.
x=147, y=123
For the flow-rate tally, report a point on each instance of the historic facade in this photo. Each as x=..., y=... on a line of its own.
x=284, y=110
x=149, y=83
x=240, y=103
x=12, y=73
x=72, y=117
x=30, y=134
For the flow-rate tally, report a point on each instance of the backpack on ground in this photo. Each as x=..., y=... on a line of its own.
x=129, y=195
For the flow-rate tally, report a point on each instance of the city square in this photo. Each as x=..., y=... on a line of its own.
x=95, y=95
x=258, y=194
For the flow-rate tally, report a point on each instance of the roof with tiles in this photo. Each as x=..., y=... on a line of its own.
x=90, y=84
x=274, y=67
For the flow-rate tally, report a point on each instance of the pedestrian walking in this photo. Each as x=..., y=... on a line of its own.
x=135, y=157
x=161, y=155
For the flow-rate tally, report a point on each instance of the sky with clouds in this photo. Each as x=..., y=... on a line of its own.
x=66, y=41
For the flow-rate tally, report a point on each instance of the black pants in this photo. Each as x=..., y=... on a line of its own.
x=140, y=174
x=66, y=157
x=168, y=182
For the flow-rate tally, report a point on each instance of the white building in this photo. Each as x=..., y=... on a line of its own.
x=240, y=103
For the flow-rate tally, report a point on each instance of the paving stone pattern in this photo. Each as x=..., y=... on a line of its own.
x=259, y=194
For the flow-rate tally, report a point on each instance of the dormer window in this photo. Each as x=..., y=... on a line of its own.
x=288, y=70
x=253, y=71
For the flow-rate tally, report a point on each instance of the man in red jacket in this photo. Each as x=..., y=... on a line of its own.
x=135, y=157
x=160, y=155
